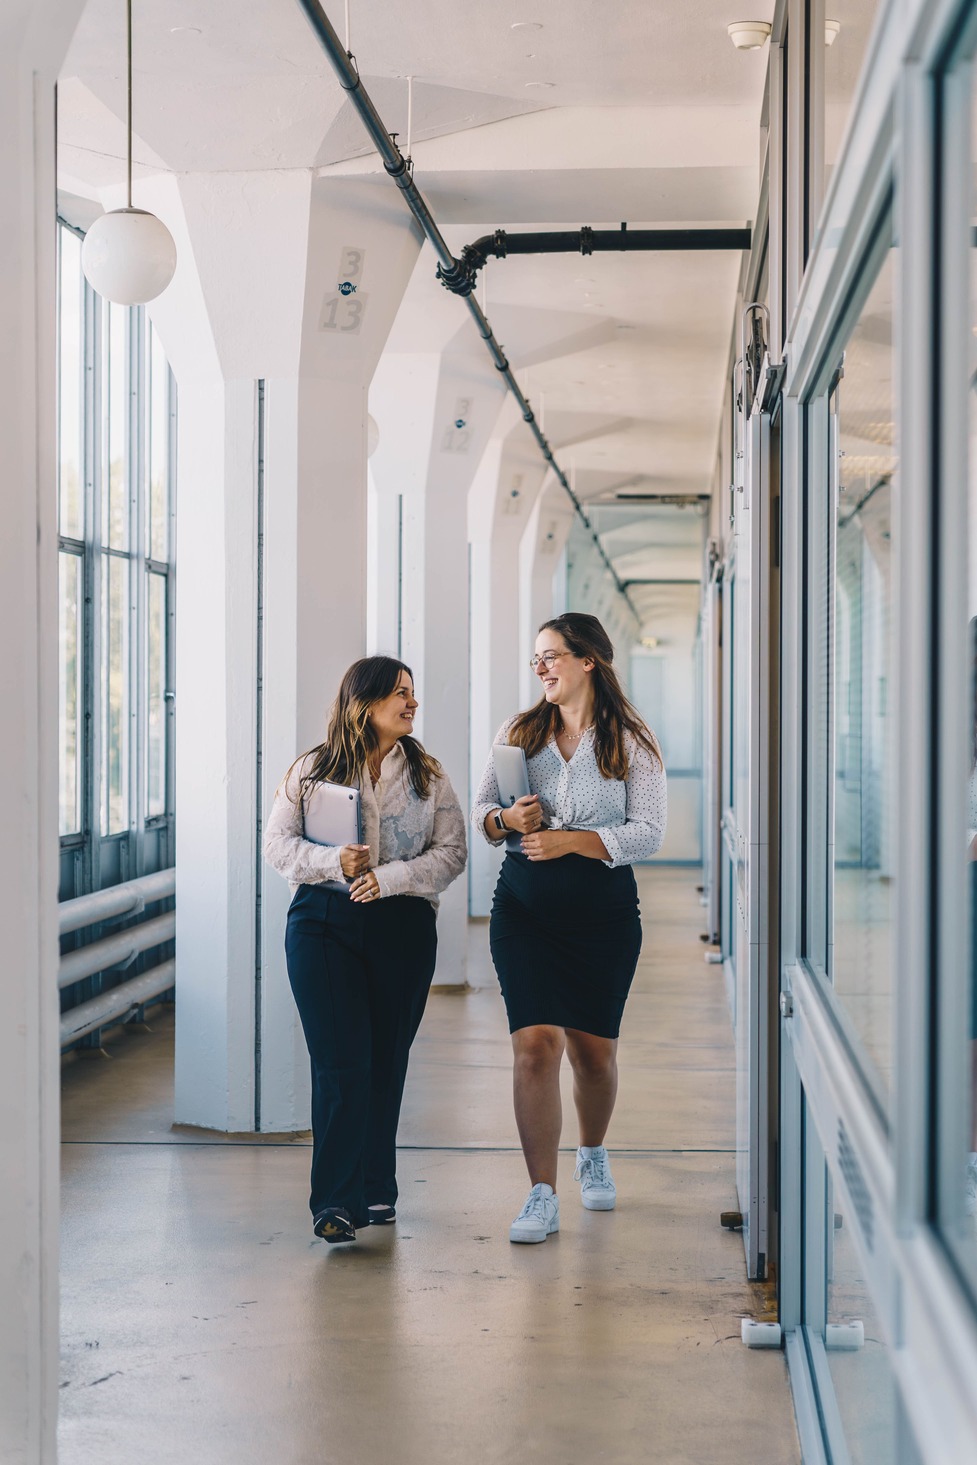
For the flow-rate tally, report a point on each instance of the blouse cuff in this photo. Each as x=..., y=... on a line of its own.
x=390, y=878
x=613, y=847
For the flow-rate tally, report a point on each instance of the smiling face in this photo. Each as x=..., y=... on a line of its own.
x=567, y=681
x=393, y=716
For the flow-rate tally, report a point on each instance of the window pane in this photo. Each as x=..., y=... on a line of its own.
x=115, y=700
x=71, y=601
x=842, y=67
x=70, y=388
x=115, y=480
x=159, y=454
x=155, y=700
x=966, y=1225
x=864, y=783
x=858, y=1356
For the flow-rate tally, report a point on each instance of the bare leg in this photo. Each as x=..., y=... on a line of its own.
x=538, y=1052
x=594, y=1064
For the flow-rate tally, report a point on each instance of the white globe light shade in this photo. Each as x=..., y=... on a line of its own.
x=372, y=436
x=128, y=256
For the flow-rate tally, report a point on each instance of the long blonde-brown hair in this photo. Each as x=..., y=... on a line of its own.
x=613, y=714
x=350, y=741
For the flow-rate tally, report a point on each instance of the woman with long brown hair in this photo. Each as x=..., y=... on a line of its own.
x=565, y=931
x=360, y=940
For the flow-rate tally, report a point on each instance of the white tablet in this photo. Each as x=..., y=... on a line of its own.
x=332, y=814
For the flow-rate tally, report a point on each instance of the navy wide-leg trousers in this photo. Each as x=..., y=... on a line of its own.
x=360, y=975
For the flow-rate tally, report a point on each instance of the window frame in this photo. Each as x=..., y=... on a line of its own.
x=94, y=855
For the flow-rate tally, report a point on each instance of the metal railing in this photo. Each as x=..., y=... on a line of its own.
x=119, y=1002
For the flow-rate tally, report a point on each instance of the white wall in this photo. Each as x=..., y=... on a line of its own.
x=33, y=37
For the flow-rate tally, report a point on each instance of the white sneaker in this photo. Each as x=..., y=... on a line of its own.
x=539, y=1217
x=597, y=1189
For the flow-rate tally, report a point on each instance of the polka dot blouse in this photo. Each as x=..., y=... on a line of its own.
x=629, y=816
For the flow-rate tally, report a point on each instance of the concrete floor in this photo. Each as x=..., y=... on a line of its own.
x=203, y=1322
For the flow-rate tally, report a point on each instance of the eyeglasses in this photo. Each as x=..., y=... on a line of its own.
x=547, y=658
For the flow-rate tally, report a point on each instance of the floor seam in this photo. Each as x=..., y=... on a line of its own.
x=301, y=1144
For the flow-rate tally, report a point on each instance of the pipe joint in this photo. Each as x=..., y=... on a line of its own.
x=459, y=278
x=586, y=240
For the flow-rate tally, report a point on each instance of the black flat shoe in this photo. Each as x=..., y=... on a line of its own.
x=382, y=1215
x=333, y=1224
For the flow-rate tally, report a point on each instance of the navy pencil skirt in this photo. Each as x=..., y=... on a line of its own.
x=565, y=937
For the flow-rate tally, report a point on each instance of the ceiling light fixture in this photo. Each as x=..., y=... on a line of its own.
x=748, y=35
x=539, y=83
x=128, y=255
x=831, y=29
x=526, y=25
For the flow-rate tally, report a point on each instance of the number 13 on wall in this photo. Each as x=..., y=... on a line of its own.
x=344, y=308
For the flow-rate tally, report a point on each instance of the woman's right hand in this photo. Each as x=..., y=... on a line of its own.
x=524, y=816
x=354, y=859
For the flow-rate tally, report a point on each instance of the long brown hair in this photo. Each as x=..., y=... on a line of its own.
x=613, y=714
x=350, y=740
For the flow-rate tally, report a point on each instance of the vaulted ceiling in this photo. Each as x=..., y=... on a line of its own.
x=526, y=113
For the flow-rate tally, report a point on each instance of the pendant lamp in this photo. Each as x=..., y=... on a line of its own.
x=128, y=255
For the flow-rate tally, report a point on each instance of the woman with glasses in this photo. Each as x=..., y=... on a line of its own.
x=565, y=931
x=360, y=939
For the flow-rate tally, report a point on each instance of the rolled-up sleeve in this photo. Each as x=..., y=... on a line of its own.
x=300, y=860
x=487, y=794
x=443, y=859
x=646, y=812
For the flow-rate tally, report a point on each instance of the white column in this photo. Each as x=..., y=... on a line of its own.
x=435, y=412
x=501, y=501
x=271, y=595
x=216, y=749
x=33, y=38
x=540, y=555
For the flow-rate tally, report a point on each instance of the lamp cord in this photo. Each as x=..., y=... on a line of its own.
x=129, y=103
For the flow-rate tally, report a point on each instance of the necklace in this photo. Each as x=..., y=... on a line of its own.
x=573, y=737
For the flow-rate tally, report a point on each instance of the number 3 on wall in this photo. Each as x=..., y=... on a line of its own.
x=344, y=308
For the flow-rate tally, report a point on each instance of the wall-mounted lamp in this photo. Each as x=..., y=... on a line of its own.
x=831, y=29
x=128, y=255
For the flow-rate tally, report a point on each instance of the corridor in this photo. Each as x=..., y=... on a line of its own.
x=231, y=1335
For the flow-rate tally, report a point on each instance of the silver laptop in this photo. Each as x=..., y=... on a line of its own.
x=512, y=777
x=332, y=816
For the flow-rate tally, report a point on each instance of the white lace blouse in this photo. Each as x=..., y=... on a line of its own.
x=629, y=816
x=417, y=846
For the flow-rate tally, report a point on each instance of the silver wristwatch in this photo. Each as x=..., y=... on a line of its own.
x=500, y=823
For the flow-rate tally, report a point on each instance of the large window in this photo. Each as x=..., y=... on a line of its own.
x=117, y=407
x=851, y=648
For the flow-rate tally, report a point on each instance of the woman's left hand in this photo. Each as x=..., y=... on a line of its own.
x=365, y=888
x=548, y=844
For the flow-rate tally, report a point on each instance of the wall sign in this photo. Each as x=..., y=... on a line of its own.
x=344, y=309
x=457, y=437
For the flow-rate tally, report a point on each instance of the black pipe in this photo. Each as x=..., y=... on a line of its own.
x=452, y=271
x=593, y=241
